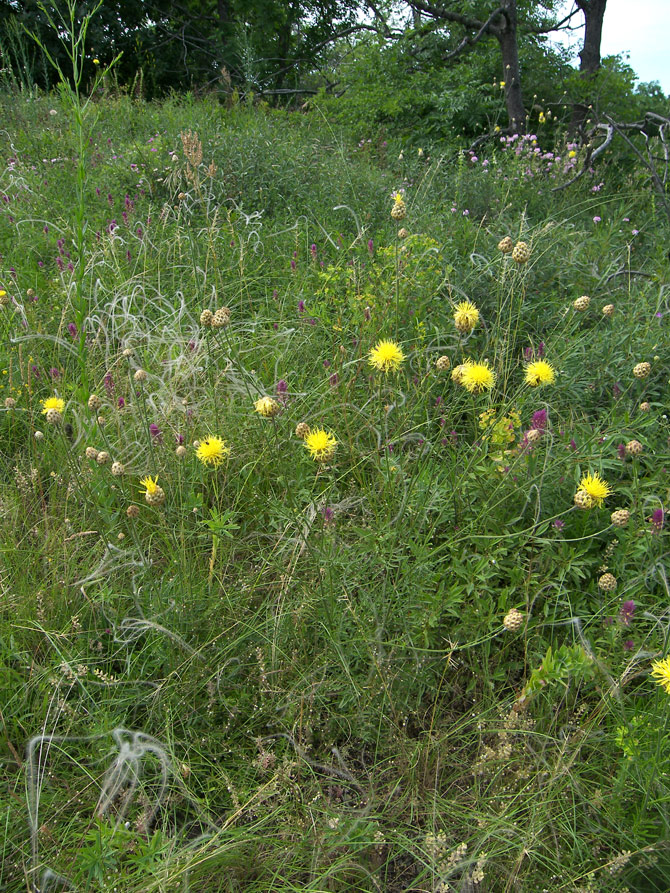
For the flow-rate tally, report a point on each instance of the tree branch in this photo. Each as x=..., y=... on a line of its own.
x=447, y=15
x=469, y=41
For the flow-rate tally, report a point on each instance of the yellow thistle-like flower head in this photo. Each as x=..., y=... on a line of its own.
x=212, y=451
x=477, y=377
x=466, y=317
x=56, y=403
x=386, y=356
x=267, y=407
x=660, y=671
x=321, y=445
x=596, y=487
x=540, y=373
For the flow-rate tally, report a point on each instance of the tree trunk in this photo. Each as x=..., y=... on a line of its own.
x=509, y=47
x=594, y=13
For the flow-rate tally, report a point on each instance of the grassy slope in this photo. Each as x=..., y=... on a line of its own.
x=292, y=675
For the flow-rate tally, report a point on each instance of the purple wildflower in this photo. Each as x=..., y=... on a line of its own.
x=558, y=524
x=155, y=432
x=121, y=402
x=334, y=379
x=657, y=520
x=539, y=419
x=282, y=386
x=626, y=612
x=72, y=329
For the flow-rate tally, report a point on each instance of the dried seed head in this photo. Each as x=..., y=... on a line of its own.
x=608, y=310
x=634, y=448
x=10, y=403
x=140, y=375
x=101, y=420
x=399, y=209
x=180, y=452
x=302, y=430
x=206, y=318
x=4, y=298
x=620, y=517
x=133, y=511
x=581, y=304
x=102, y=458
x=642, y=370
x=513, y=620
x=127, y=352
x=221, y=318
x=533, y=435
x=403, y=233
x=443, y=364
x=117, y=469
x=91, y=453
x=521, y=253
x=53, y=417
x=644, y=406
x=506, y=245
x=94, y=403
x=607, y=582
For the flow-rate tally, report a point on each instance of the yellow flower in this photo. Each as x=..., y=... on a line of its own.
x=477, y=377
x=466, y=317
x=96, y=61
x=572, y=154
x=56, y=403
x=321, y=445
x=540, y=373
x=212, y=451
x=596, y=488
x=542, y=118
x=150, y=485
x=386, y=356
x=660, y=670
x=267, y=407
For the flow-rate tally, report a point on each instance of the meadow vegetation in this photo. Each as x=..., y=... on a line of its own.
x=334, y=473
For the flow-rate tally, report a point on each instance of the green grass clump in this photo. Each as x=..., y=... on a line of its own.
x=398, y=663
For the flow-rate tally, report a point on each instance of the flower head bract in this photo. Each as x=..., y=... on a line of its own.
x=212, y=451
x=540, y=373
x=477, y=377
x=56, y=403
x=386, y=356
x=321, y=445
